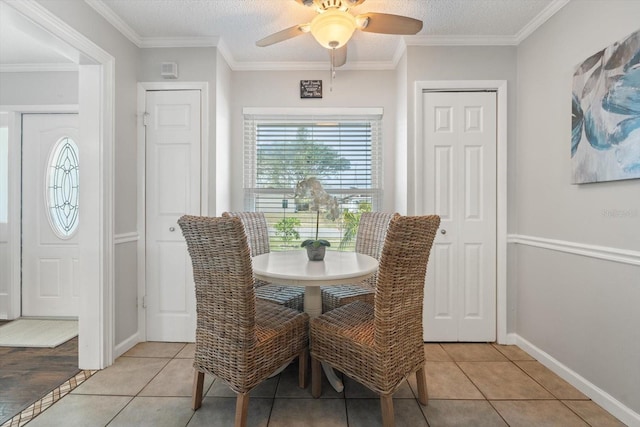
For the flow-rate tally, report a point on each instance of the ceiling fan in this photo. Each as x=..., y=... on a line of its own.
x=334, y=26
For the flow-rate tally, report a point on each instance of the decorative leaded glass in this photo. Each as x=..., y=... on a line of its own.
x=62, y=188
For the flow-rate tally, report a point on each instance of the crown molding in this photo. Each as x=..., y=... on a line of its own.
x=226, y=54
x=116, y=21
x=546, y=13
x=30, y=68
x=400, y=50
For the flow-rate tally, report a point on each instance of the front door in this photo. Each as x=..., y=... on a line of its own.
x=173, y=176
x=50, y=215
x=460, y=137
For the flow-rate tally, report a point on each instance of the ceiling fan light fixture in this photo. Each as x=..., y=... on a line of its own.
x=333, y=28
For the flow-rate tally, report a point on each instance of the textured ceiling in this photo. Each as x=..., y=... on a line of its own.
x=235, y=25
x=239, y=23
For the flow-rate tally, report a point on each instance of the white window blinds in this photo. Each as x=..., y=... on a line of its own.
x=343, y=153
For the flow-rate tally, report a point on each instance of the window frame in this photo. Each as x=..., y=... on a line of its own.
x=252, y=117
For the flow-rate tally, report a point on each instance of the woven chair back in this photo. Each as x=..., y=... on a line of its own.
x=400, y=284
x=256, y=229
x=372, y=231
x=225, y=299
x=370, y=237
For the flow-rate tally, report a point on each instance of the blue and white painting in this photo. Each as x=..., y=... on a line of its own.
x=605, y=133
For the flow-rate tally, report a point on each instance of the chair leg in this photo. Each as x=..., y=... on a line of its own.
x=198, y=383
x=421, y=379
x=386, y=404
x=316, y=378
x=242, y=407
x=302, y=368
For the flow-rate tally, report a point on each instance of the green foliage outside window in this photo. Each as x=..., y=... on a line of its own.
x=351, y=222
x=286, y=230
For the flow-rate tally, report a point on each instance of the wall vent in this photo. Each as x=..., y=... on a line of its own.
x=169, y=70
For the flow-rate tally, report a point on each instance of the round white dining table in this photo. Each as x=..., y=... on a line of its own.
x=293, y=268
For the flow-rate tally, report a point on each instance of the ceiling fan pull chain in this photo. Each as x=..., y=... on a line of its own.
x=333, y=65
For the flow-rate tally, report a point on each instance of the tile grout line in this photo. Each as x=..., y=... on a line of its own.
x=486, y=399
x=144, y=386
x=49, y=399
x=554, y=396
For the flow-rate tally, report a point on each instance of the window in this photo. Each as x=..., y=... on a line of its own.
x=342, y=152
x=62, y=188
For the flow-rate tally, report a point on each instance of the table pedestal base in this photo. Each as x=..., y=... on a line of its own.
x=313, y=307
x=335, y=382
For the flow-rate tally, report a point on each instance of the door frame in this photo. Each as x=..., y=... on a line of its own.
x=96, y=78
x=500, y=86
x=143, y=87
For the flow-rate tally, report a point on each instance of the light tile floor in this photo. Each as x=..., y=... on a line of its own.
x=469, y=385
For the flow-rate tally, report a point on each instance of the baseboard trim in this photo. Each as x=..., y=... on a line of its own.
x=126, y=345
x=511, y=339
x=624, y=256
x=595, y=393
x=119, y=239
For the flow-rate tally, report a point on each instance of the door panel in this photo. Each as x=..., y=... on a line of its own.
x=49, y=258
x=459, y=131
x=172, y=190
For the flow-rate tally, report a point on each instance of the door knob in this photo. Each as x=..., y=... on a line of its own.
x=443, y=231
x=172, y=229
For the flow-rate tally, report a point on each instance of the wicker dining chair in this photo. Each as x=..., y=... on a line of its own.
x=380, y=344
x=255, y=226
x=239, y=339
x=369, y=240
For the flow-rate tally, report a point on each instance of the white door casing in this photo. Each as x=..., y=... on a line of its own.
x=173, y=177
x=459, y=137
x=50, y=263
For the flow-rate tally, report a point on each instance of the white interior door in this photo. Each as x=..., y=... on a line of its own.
x=173, y=158
x=459, y=130
x=50, y=186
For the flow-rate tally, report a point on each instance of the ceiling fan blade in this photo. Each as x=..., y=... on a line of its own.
x=338, y=56
x=280, y=36
x=385, y=23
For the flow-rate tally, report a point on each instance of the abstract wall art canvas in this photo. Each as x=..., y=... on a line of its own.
x=605, y=133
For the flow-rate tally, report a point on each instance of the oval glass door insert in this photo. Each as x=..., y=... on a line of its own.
x=63, y=181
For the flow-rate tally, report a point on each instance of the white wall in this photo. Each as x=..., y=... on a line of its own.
x=5, y=255
x=39, y=88
x=282, y=89
x=582, y=311
x=220, y=172
x=401, y=153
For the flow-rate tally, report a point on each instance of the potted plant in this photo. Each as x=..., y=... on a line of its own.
x=311, y=189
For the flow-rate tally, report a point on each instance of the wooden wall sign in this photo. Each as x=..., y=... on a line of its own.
x=310, y=88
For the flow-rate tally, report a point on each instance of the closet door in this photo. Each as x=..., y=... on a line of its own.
x=459, y=131
x=173, y=158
